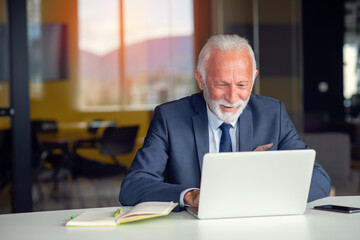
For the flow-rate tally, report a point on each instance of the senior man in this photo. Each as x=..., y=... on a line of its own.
x=224, y=117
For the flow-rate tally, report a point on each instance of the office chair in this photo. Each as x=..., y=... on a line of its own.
x=55, y=151
x=51, y=161
x=48, y=167
x=6, y=158
x=114, y=141
x=39, y=157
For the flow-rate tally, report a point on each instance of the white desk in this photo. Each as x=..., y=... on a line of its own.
x=314, y=224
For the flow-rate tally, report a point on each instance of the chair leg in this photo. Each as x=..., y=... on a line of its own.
x=40, y=200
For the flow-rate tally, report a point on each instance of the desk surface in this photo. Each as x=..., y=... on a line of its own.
x=314, y=224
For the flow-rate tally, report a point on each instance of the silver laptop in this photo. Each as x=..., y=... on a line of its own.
x=248, y=184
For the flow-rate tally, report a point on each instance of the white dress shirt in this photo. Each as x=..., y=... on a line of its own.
x=214, y=140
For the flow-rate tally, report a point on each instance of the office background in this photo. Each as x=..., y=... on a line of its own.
x=90, y=61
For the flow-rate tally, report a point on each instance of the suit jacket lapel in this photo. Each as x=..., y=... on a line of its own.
x=246, y=130
x=200, y=125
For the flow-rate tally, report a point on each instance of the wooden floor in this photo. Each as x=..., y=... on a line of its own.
x=86, y=193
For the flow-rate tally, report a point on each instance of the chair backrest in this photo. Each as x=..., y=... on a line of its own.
x=118, y=140
x=44, y=126
x=333, y=152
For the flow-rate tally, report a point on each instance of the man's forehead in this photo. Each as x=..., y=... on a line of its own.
x=220, y=58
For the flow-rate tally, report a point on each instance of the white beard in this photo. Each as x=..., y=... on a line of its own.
x=227, y=117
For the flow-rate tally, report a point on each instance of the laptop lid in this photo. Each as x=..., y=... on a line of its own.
x=246, y=184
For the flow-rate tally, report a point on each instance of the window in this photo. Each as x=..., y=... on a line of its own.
x=134, y=54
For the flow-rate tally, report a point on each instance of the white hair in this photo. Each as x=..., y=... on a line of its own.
x=223, y=43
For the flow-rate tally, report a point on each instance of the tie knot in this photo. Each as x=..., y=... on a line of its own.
x=225, y=127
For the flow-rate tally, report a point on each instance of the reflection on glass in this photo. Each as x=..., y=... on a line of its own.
x=158, y=52
x=35, y=54
x=99, y=52
x=159, y=55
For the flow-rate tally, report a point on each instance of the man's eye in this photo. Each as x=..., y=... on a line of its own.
x=242, y=85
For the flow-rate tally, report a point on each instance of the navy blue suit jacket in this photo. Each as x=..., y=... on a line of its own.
x=178, y=138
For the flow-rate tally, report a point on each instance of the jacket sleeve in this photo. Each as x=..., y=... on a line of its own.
x=145, y=180
x=289, y=139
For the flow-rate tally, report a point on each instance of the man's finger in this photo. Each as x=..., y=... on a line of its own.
x=264, y=147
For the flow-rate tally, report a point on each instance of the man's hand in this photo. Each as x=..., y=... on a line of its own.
x=191, y=198
x=264, y=147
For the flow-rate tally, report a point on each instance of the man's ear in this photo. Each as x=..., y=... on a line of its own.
x=199, y=79
x=253, y=81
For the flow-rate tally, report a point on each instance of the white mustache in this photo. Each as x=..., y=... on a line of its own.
x=227, y=104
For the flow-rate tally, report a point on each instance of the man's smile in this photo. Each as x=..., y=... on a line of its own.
x=229, y=108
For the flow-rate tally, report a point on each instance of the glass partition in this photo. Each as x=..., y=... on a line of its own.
x=5, y=133
x=107, y=62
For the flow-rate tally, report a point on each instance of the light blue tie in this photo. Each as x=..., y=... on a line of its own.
x=225, y=141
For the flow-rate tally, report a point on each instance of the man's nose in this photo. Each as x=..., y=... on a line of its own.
x=231, y=95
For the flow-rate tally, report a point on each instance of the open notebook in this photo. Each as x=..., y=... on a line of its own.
x=247, y=184
x=106, y=218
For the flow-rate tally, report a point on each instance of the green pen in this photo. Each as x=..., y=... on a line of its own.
x=118, y=211
x=72, y=217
